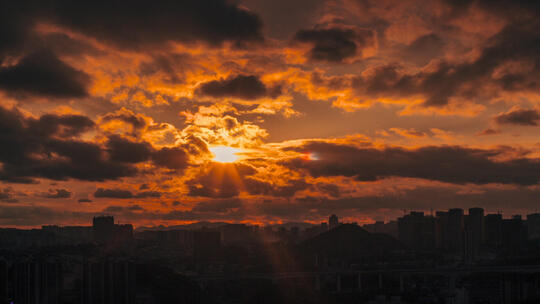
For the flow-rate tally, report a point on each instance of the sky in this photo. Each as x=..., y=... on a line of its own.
x=254, y=111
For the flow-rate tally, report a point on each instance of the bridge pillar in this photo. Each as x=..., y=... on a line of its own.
x=318, y=282
x=359, y=282
x=338, y=279
x=401, y=283
x=380, y=281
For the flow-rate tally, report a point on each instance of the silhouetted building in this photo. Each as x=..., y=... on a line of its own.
x=417, y=231
x=314, y=231
x=106, y=231
x=441, y=230
x=177, y=237
x=324, y=226
x=493, y=230
x=474, y=235
x=376, y=227
x=475, y=223
x=103, y=227
x=3, y=281
x=455, y=230
x=295, y=232
x=513, y=234
x=70, y=234
x=333, y=221
x=533, y=226
x=390, y=228
x=123, y=232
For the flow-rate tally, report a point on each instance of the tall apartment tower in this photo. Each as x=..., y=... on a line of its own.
x=493, y=230
x=441, y=231
x=474, y=236
x=533, y=226
x=455, y=229
x=333, y=221
x=103, y=227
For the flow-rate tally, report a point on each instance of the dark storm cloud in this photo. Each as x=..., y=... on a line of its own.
x=136, y=121
x=135, y=24
x=15, y=30
x=172, y=65
x=6, y=195
x=126, y=151
x=147, y=194
x=135, y=208
x=41, y=73
x=247, y=87
x=57, y=193
x=213, y=21
x=513, y=10
x=334, y=44
x=112, y=193
x=63, y=126
x=63, y=45
x=523, y=117
x=175, y=158
x=423, y=49
x=47, y=148
x=451, y=164
x=125, y=194
x=471, y=80
x=131, y=25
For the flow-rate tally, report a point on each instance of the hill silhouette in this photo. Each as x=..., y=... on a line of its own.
x=350, y=241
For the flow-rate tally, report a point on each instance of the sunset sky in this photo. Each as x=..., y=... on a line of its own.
x=258, y=111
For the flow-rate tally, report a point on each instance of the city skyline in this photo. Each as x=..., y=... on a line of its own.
x=254, y=111
x=452, y=256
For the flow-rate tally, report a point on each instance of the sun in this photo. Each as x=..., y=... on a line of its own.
x=224, y=154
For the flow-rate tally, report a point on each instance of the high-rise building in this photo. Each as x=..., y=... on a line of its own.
x=417, y=231
x=475, y=223
x=103, y=227
x=474, y=233
x=106, y=231
x=333, y=221
x=533, y=226
x=441, y=230
x=324, y=226
x=493, y=230
x=455, y=230
x=3, y=281
x=513, y=234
